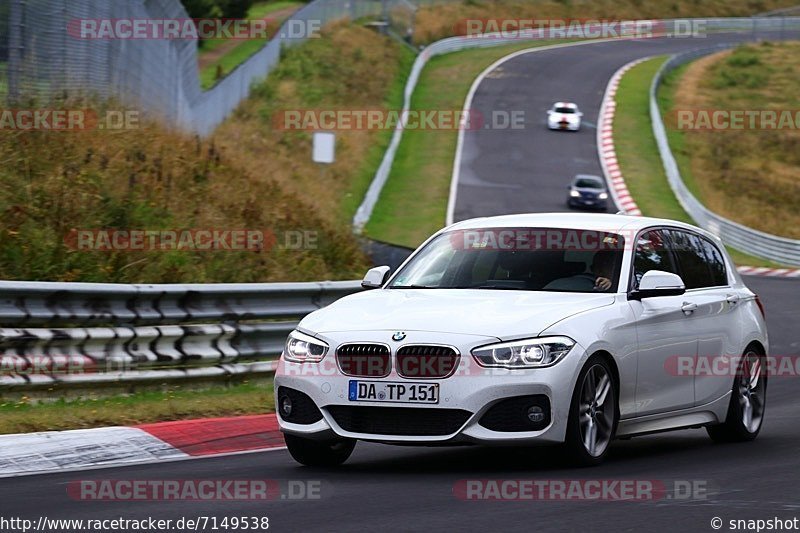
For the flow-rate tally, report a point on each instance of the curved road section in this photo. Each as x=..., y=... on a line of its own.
x=527, y=169
x=402, y=489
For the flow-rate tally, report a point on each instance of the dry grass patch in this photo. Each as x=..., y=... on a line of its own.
x=638, y=153
x=150, y=179
x=747, y=175
x=248, y=175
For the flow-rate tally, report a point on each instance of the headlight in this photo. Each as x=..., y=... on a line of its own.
x=603, y=196
x=302, y=348
x=528, y=353
x=574, y=194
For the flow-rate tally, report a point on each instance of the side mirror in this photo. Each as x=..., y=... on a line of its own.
x=549, y=111
x=376, y=277
x=658, y=283
x=579, y=114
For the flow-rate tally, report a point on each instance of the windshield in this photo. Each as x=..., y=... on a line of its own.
x=565, y=110
x=588, y=183
x=530, y=259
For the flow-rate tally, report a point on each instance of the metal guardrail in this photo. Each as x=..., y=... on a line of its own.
x=793, y=10
x=757, y=243
x=758, y=27
x=74, y=334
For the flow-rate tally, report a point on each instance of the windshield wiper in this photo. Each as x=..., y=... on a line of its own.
x=412, y=287
x=488, y=286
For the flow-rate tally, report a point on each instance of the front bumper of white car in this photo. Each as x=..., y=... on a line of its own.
x=475, y=404
x=555, y=124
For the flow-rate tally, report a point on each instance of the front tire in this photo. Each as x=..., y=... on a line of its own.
x=319, y=453
x=593, y=414
x=748, y=402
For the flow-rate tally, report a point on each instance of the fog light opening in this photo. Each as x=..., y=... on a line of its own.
x=535, y=414
x=286, y=406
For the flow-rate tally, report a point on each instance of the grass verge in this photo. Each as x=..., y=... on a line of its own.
x=362, y=179
x=638, y=155
x=404, y=215
x=24, y=416
x=350, y=68
x=747, y=173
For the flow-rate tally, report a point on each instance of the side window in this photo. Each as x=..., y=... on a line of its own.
x=691, y=254
x=651, y=254
x=719, y=274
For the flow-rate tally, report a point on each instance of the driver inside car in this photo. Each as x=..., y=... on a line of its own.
x=597, y=279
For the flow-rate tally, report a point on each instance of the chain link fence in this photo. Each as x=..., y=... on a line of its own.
x=44, y=56
x=4, y=35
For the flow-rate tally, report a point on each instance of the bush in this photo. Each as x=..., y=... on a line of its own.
x=218, y=8
x=743, y=57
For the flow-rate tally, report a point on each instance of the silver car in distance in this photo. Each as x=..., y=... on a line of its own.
x=524, y=329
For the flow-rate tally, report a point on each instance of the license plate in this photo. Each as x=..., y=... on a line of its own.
x=393, y=392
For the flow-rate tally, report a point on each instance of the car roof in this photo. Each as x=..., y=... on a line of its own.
x=568, y=220
x=565, y=104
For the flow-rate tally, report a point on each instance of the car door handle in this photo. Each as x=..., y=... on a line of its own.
x=688, y=308
x=732, y=299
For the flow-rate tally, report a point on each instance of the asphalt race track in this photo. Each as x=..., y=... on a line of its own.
x=528, y=169
x=401, y=489
x=396, y=488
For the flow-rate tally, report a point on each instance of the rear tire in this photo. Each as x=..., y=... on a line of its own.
x=593, y=414
x=748, y=402
x=319, y=453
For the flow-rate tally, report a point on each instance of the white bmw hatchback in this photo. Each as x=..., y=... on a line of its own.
x=564, y=116
x=545, y=328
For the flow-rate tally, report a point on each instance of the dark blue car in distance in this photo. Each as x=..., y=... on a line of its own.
x=588, y=192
